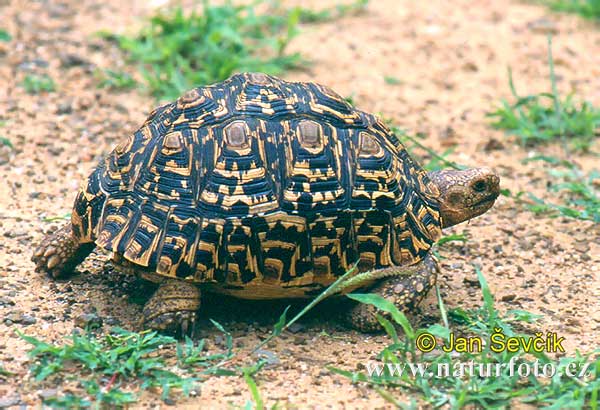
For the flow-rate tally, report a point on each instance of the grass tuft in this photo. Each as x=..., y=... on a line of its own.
x=248, y=373
x=6, y=142
x=340, y=10
x=178, y=51
x=5, y=36
x=459, y=388
x=115, y=80
x=547, y=117
x=110, y=369
x=586, y=8
x=391, y=80
x=5, y=373
x=37, y=83
x=580, y=191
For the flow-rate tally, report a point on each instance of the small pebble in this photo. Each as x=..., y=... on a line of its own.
x=269, y=356
x=296, y=327
x=89, y=321
x=28, y=319
x=6, y=301
x=64, y=108
x=72, y=60
x=47, y=394
x=8, y=401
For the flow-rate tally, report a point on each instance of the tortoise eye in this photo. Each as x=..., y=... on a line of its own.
x=480, y=186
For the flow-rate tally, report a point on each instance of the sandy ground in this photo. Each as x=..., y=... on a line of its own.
x=451, y=58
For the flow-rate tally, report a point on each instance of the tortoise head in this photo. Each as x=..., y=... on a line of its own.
x=465, y=194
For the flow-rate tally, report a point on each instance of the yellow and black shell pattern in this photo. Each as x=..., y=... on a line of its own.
x=257, y=181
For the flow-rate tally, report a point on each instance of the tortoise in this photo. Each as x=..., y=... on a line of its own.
x=261, y=188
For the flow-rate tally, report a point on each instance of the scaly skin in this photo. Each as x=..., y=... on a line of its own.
x=59, y=253
x=405, y=290
x=465, y=194
x=172, y=308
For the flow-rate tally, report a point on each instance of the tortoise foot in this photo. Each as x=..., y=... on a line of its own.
x=59, y=253
x=404, y=291
x=363, y=318
x=175, y=323
x=172, y=309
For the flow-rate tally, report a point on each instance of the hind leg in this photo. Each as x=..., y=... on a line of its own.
x=405, y=291
x=172, y=308
x=60, y=252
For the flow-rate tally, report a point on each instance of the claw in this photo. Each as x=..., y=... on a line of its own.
x=172, y=308
x=38, y=252
x=193, y=331
x=179, y=324
x=188, y=324
x=184, y=328
x=53, y=262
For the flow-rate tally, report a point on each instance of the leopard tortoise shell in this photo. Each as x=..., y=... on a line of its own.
x=262, y=188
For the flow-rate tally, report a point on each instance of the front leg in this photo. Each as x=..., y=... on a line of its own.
x=405, y=291
x=60, y=252
x=172, y=308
